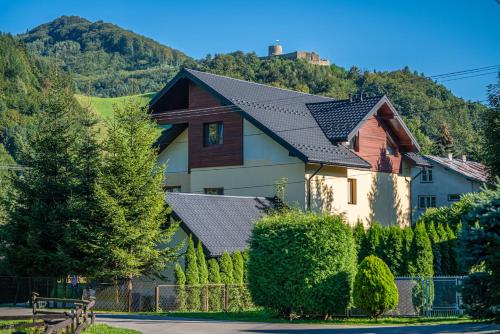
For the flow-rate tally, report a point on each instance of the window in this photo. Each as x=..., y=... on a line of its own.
x=213, y=133
x=172, y=189
x=351, y=191
x=426, y=176
x=426, y=201
x=214, y=191
x=389, y=149
x=453, y=197
x=354, y=143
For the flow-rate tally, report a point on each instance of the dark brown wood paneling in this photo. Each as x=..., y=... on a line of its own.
x=230, y=153
x=372, y=146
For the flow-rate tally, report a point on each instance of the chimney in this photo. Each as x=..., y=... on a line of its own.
x=464, y=158
x=450, y=155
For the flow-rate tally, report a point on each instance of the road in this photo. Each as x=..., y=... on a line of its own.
x=164, y=325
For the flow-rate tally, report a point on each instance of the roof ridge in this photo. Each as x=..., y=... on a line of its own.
x=347, y=100
x=225, y=196
x=260, y=84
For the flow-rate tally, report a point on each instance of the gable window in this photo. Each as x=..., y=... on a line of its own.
x=426, y=201
x=351, y=191
x=213, y=133
x=172, y=189
x=354, y=143
x=214, y=191
x=426, y=176
x=453, y=197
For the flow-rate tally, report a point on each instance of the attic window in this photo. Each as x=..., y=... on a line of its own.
x=390, y=147
x=213, y=133
x=354, y=143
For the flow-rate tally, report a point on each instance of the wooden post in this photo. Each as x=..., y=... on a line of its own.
x=129, y=295
x=157, y=298
x=206, y=297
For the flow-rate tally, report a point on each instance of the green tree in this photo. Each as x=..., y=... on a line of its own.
x=359, y=234
x=192, y=277
x=238, y=269
x=202, y=264
x=131, y=199
x=392, y=250
x=180, y=281
x=436, y=248
x=444, y=144
x=444, y=249
x=374, y=287
x=452, y=251
x=215, y=292
x=407, y=241
x=374, y=240
x=54, y=189
x=226, y=268
x=491, y=155
x=421, y=258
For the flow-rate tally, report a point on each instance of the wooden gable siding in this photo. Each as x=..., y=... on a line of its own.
x=372, y=146
x=230, y=153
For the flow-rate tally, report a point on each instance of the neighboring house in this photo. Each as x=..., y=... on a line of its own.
x=444, y=181
x=238, y=138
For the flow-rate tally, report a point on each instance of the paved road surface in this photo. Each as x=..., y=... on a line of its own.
x=163, y=325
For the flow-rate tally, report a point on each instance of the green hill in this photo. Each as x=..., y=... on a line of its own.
x=104, y=105
x=104, y=59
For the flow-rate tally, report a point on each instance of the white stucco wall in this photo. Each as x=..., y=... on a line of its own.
x=445, y=182
x=382, y=197
x=264, y=163
x=175, y=157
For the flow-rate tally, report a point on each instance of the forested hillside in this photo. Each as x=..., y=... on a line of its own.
x=104, y=59
x=107, y=61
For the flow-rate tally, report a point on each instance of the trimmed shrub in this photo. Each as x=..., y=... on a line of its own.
x=302, y=263
x=374, y=240
x=436, y=248
x=374, y=287
x=226, y=268
x=202, y=264
x=392, y=250
x=359, y=234
x=192, y=277
x=421, y=259
x=237, y=267
x=215, y=293
x=236, y=292
x=180, y=281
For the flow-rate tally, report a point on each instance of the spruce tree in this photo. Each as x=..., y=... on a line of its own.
x=392, y=249
x=436, y=248
x=226, y=268
x=180, y=281
x=359, y=239
x=202, y=264
x=444, y=144
x=421, y=259
x=131, y=198
x=55, y=191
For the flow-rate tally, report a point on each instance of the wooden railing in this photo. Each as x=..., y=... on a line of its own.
x=72, y=321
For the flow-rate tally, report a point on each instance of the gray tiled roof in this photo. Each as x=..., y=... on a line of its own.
x=417, y=159
x=220, y=222
x=470, y=169
x=338, y=118
x=285, y=114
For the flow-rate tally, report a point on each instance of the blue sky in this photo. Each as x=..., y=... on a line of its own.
x=432, y=37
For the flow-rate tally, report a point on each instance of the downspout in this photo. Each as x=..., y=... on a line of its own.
x=309, y=186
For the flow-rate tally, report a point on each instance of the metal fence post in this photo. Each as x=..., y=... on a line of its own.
x=157, y=298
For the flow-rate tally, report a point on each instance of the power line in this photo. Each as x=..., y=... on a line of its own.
x=479, y=69
x=470, y=76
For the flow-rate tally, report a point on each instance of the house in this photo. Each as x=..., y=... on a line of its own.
x=444, y=180
x=226, y=136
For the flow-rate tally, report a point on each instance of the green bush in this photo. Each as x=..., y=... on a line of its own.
x=436, y=248
x=407, y=241
x=192, y=277
x=359, y=234
x=392, y=250
x=477, y=295
x=421, y=259
x=374, y=287
x=180, y=281
x=374, y=241
x=215, y=293
x=202, y=264
x=226, y=268
x=302, y=263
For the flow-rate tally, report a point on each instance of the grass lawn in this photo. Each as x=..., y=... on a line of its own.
x=104, y=105
x=95, y=329
x=268, y=316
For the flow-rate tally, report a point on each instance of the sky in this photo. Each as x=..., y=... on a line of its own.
x=431, y=37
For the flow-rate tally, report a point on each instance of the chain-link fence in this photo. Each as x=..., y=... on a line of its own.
x=437, y=296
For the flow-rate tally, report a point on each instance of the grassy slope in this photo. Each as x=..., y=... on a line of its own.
x=104, y=105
